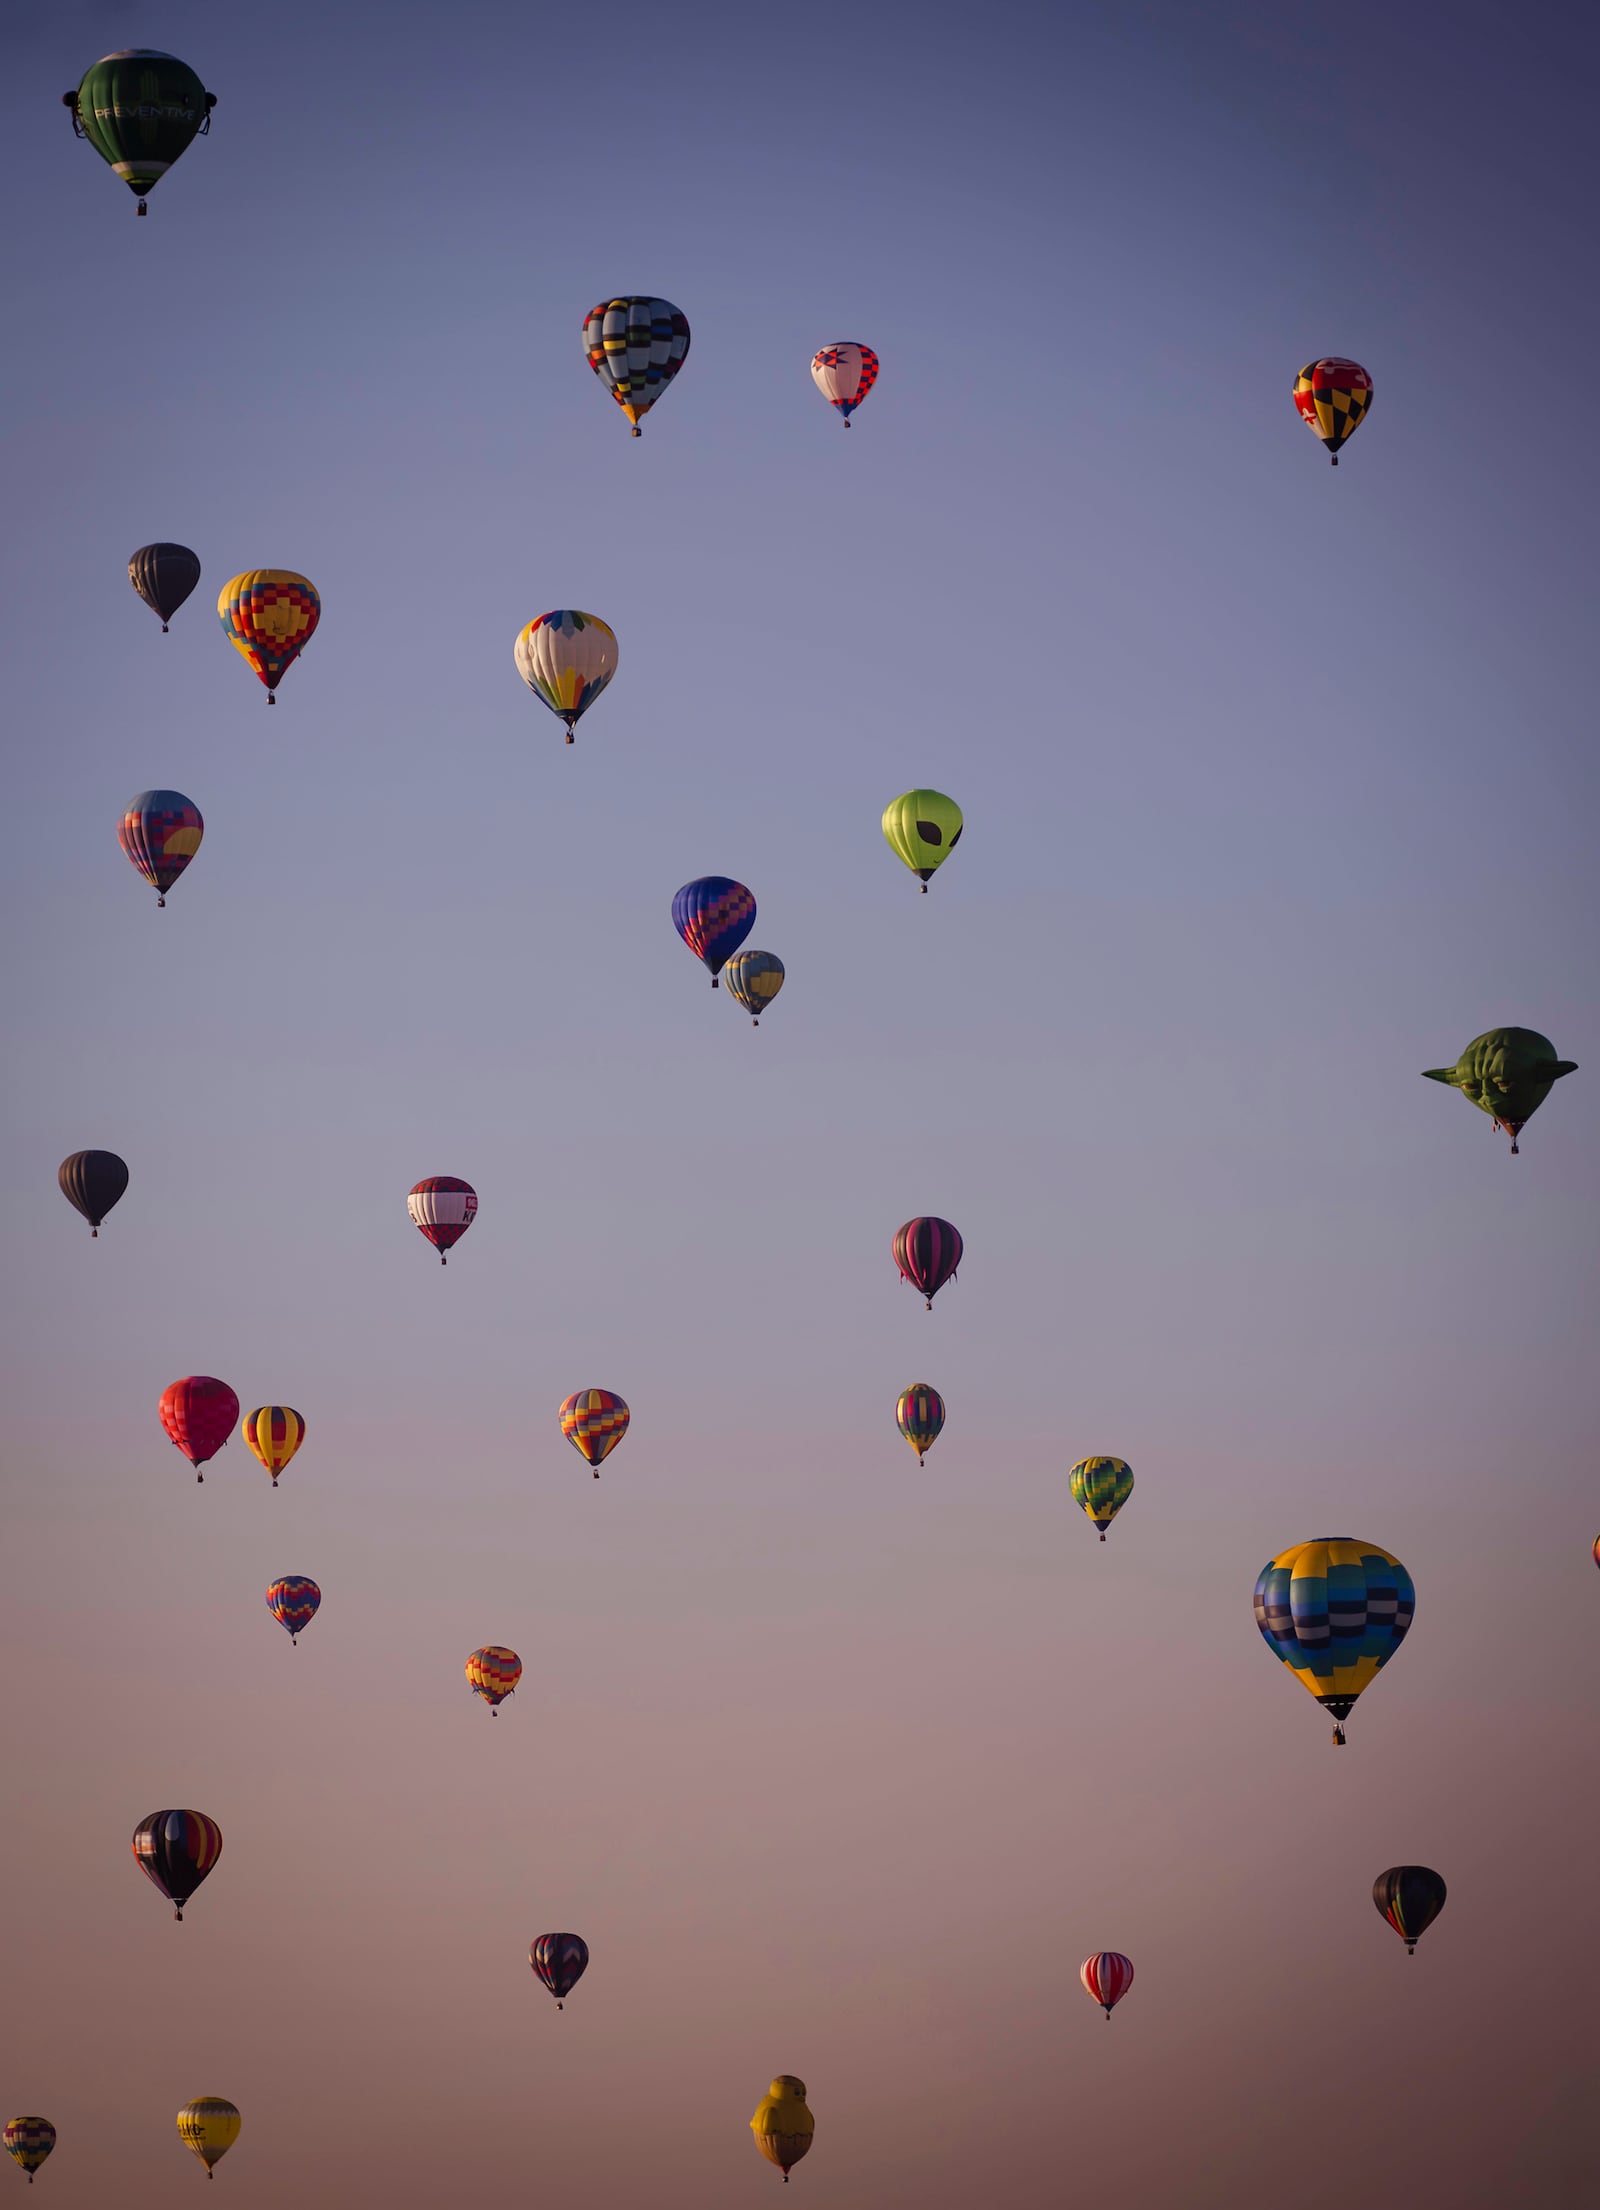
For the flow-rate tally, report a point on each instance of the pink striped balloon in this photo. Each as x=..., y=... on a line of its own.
x=1108, y=1977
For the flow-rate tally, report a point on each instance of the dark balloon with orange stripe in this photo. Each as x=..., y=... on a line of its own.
x=1410, y=1897
x=176, y=1851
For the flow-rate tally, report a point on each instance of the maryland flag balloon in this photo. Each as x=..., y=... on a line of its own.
x=594, y=1421
x=927, y=1251
x=92, y=1181
x=1107, y=1975
x=754, y=980
x=1410, y=1898
x=199, y=1414
x=1507, y=1073
x=209, y=2126
x=270, y=616
x=1100, y=1487
x=139, y=109
x=30, y=2141
x=163, y=576
x=493, y=1674
x=636, y=346
x=919, y=1415
x=443, y=1208
x=782, y=2125
x=1332, y=397
x=560, y=1960
x=274, y=1433
x=844, y=374
x=293, y=1602
x=176, y=1850
x=713, y=915
x=161, y=832
x=567, y=659
x=1335, y=1611
x=923, y=828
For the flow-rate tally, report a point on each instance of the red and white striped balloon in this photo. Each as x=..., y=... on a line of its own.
x=1107, y=1975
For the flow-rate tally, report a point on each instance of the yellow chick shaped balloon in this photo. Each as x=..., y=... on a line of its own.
x=782, y=2124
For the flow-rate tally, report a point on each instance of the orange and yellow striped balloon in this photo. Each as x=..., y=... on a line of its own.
x=594, y=1421
x=493, y=1673
x=269, y=615
x=274, y=1433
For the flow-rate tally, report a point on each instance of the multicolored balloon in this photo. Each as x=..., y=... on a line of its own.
x=1507, y=1073
x=844, y=374
x=443, y=1208
x=1101, y=1486
x=1334, y=1611
x=30, y=2141
x=594, y=1421
x=560, y=1960
x=1410, y=1897
x=293, y=1601
x=92, y=1181
x=493, y=1674
x=1331, y=397
x=927, y=1251
x=923, y=828
x=176, y=1850
x=163, y=576
x=754, y=980
x=1108, y=1976
x=636, y=346
x=919, y=1415
x=161, y=832
x=567, y=659
x=199, y=1413
x=713, y=915
x=140, y=109
x=269, y=615
x=209, y=2126
x=274, y=1433
x=782, y=2125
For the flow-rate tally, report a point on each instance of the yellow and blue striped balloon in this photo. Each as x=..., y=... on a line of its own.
x=1335, y=1611
x=1101, y=1486
x=754, y=979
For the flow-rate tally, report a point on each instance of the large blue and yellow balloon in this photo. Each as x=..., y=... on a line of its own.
x=1335, y=1611
x=1100, y=1487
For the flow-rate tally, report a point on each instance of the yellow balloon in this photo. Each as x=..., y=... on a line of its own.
x=923, y=828
x=209, y=2126
x=782, y=2125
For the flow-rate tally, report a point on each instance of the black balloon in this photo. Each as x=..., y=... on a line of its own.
x=93, y=1181
x=163, y=576
x=1410, y=1897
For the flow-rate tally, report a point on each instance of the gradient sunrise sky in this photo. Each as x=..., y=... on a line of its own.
x=1279, y=787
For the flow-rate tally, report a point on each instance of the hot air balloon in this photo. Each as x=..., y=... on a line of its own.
x=274, y=1433
x=1335, y=1611
x=1596, y=1551
x=636, y=346
x=560, y=1961
x=161, y=832
x=927, y=1252
x=293, y=1601
x=567, y=659
x=920, y=1417
x=30, y=2141
x=139, y=110
x=1507, y=1073
x=1410, y=1897
x=444, y=1209
x=493, y=1674
x=163, y=576
x=923, y=828
x=176, y=1849
x=713, y=915
x=1332, y=397
x=209, y=2126
x=594, y=1421
x=92, y=1181
x=199, y=1414
x=782, y=2125
x=270, y=616
x=844, y=374
x=754, y=980
x=1101, y=1486
x=1108, y=1977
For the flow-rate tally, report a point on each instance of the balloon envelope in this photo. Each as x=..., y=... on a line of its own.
x=560, y=1960
x=927, y=1251
x=443, y=1208
x=269, y=616
x=30, y=2141
x=844, y=374
x=923, y=828
x=140, y=109
x=199, y=1413
x=1334, y=1611
x=176, y=1850
x=1331, y=397
x=567, y=659
x=782, y=2125
x=1101, y=1486
x=594, y=1421
x=636, y=345
x=274, y=1432
x=92, y=1181
x=1507, y=1073
x=1410, y=1897
x=1107, y=1975
x=713, y=915
x=919, y=1415
x=754, y=980
x=293, y=1601
x=493, y=1673
x=163, y=576
x=209, y=2126
x=161, y=832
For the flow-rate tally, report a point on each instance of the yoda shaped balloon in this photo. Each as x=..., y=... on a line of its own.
x=1508, y=1073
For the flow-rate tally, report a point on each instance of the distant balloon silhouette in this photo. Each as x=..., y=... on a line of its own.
x=92, y=1181
x=1410, y=1897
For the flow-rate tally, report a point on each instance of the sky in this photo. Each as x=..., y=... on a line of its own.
x=1279, y=787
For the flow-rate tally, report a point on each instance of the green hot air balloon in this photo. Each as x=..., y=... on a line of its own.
x=139, y=109
x=1508, y=1073
x=923, y=828
x=1101, y=1486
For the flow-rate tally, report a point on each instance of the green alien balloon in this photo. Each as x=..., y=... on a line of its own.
x=1508, y=1073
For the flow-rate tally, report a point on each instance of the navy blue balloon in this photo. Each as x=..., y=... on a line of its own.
x=713, y=916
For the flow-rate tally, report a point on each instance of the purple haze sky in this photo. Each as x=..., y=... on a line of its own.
x=1279, y=787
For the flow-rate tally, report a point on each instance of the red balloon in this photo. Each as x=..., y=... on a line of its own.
x=199, y=1414
x=1108, y=1975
